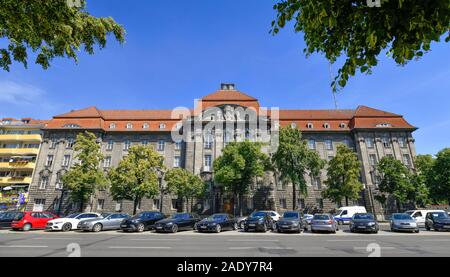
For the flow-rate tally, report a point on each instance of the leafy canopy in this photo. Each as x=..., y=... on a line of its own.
x=360, y=33
x=439, y=183
x=184, y=183
x=86, y=176
x=51, y=29
x=343, y=176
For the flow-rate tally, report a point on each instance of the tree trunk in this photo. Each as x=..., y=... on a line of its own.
x=346, y=201
x=192, y=204
x=398, y=205
x=294, y=197
x=135, y=204
x=240, y=205
x=81, y=205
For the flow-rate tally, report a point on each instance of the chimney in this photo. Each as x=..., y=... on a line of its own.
x=227, y=86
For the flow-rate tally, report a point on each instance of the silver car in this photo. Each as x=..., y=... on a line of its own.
x=107, y=221
x=403, y=222
x=324, y=222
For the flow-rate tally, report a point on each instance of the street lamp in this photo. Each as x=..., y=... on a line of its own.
x=161, y=189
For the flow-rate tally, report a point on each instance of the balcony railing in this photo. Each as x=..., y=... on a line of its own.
x=19, y=151
x=28, y=138
x=18, y=165
x=15, y=180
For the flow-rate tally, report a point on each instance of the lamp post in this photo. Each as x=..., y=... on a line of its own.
x=161, y=189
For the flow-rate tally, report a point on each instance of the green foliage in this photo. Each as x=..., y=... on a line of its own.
x=184, y=183
x=293, y=160
x=86, y=176
x=51, y=29
x=350, y=28
x=343, y=176
x=440, y=177
x=136, y=176
x=238, y=165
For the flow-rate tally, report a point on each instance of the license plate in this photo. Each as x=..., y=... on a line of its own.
x=361, y=227
x=203, y=227
x=285, y=226
x=252, y=225
x=159, y=228
x=123, y=226
x=446, y=227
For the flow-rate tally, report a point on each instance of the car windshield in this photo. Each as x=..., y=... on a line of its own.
x=258, y=214
x=181, y=216
x=402, y=217
x=291, y=215
x=409, y=212
x=338, y=212
x=364, y=216
x=217, y=217
x=321, y=217
x=73, y=215
x=440, y=215
x=105, y=215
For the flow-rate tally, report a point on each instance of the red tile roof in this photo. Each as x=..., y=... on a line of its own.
x=228, y=95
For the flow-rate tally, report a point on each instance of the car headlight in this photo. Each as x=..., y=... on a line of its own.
x=169, y=223
x=371, y=224
x=295, y=223
x=57, y=222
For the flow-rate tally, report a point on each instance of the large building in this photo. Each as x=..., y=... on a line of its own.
x=19, y=147
x=193, y=138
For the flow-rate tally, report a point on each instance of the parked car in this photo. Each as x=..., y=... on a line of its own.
x=141, y=222
x=419, y=215
x=364, y=222
x=275, y=216
x=31, y=220
x=7, y=218
x=345, y=214
x=70, y=222
x=403, y=222
x=259, y=221
x=177, y=222
x=107, y=221
x=291, y=222
x=217, y=223
x=324, y=222
x=438, y=221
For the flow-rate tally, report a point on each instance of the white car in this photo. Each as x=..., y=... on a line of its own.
x=70, y=222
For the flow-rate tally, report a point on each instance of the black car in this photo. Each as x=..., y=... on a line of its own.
x=438, y=221
x=364, y=222
x=291, y=222
x=7, y=218
x=217, y=223
x=259, y=221
x=177, y=222
x=141, y=222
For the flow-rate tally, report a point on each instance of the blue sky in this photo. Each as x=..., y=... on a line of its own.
x=183, y=50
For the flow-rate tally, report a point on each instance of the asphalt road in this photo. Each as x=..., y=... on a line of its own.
x=226, y=244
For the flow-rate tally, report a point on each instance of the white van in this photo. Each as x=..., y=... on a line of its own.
x=345, y=214
x=419, y=215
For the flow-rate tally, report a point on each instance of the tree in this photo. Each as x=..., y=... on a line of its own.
x=57, y=28
x=440, y=183
x=293, y=159
x=184, y=184
x=239, y=165
x=405, y=29
x=136, y=176
x=86, y=176
x=422, y=177
x=343, y=176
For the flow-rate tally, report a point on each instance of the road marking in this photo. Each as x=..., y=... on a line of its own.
x=437, y=240
x=23, y=246
x=139, y=247
x=252, y=240
x=351, y=240
x=267, y=248
x=57, y=238
x=155, y=239
x=381, y=248
x=241, y=248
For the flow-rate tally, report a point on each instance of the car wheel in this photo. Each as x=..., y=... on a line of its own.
x=97, y=227
x=235, y=226
x=66, y=227
x=245, y=229
x=218, y=228
x=265, y=228
x=427, y=228
x=141, y=227
x=174, y=228
x=241, y=225
x=417, y=231
x=27, y=227
x=299, y=230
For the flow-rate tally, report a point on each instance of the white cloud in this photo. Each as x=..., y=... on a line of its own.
x=19, y=94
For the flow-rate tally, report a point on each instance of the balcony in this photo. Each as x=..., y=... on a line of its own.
x=18, y=165
x=25, y=138
x=19, y=151
x=15, y=180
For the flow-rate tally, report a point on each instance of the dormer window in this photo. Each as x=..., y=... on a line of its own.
x=162, y=126
x=72, y=126
x=326, y=126
x=310, y=126
x=112, y=126
x=179, y=125
x=383, y=125
x=145, y=126
x=129, y=126
x=342, y=125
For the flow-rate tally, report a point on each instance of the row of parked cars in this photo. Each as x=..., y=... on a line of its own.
x=291, y=221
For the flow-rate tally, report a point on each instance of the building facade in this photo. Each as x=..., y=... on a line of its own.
x=19, y=147
x=194, y=138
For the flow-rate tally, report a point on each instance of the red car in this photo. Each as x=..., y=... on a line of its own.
x=31, y=220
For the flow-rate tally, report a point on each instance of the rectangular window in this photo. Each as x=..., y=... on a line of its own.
x=107, y=162
x=386, y=142
x=38, y=205
x=44, y=182
x=66, y=160
x=52, y=143
x=329, y=158
x=208, y=141
x=49, y=161
x=177, y=161
x=406, y=160
x=283, y=204
x=208, y=161
x=312, y=144
x=59, y=185
x=174, y=204
x=373, y=159
x=316, y=182
x=145, y=142
x=70, y=143
x=100, y=204
x=370, y=142
x=161, y=145
x=110, y=145
x=156, y=204
x=319, y=202
x=178, y=145
x=402, y=142
x=126, y=145
x=329, y=144
x=301, y=203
